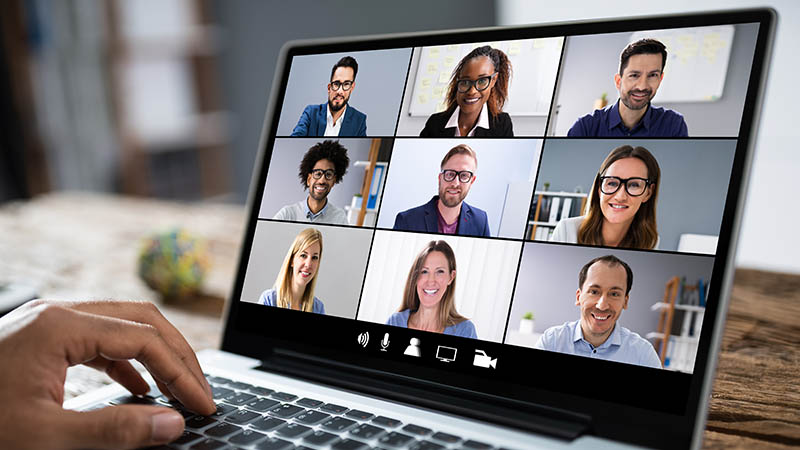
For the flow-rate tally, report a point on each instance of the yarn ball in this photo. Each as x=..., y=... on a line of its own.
x=174, y=263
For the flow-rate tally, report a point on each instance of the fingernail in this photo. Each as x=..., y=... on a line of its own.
x=167, y=426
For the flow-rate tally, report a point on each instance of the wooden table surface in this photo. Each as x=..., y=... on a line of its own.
x=81, y=246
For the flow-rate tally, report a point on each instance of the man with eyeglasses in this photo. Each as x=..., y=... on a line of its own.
x=336, y=117
x=322, y=166
x=448, y=213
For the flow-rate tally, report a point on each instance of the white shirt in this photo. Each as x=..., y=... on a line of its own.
x=483, y=121
x=332, y=129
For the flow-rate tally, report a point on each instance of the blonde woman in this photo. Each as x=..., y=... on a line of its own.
x=430, y=293
x=294, y=288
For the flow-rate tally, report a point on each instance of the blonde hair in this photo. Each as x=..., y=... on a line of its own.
x=283, y=284
x=448, y=316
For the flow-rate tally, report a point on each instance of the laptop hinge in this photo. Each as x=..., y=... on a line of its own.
x=462, y=402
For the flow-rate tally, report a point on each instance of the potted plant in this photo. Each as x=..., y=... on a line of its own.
x=526, y=323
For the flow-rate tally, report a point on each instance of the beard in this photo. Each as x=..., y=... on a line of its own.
x=336, y=108
x=319, y=196
x=626, y=100
x=449, y=200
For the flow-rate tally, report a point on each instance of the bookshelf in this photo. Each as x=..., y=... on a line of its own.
x=681, y=314
x=365, y=212
x=550, y=207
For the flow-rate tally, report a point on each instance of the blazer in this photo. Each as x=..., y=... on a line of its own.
x=471, y=221
x=499, y=126
x=315, y=117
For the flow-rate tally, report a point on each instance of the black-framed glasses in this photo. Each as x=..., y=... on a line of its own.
x=318, y=173
x=345, y=85
x=634, y=186
x=480, y=84
x=463, y=175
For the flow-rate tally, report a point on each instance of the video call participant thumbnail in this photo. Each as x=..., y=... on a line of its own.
x=430, y=293
x=604, y=285
x=641, y=70
x=324, y=119
x=448, y=213
x=622, y=205
x=294, y=287
x=475, y=97
x=323, y=165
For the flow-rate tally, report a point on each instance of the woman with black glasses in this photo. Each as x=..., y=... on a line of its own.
x=622, y=209
x=475, y=98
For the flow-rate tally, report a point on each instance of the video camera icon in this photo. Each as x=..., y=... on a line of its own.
x=484, y=360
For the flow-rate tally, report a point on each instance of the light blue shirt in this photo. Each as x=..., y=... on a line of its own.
x=270, y=298
x=463, y=329
x=300, y=212
x=623, y=345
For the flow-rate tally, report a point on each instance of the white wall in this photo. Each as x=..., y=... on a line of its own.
x=769, y=227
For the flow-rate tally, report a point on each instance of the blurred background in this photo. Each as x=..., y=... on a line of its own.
x=166, y=99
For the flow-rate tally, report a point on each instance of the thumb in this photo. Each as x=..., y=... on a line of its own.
x=124, y=426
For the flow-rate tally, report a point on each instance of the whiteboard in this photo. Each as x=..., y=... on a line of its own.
x=697, y=62
x=534, y=65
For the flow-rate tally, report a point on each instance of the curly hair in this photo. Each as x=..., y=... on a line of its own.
x=333, y=151
x=502, y=65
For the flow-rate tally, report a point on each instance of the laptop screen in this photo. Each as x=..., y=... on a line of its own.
x=538, y=213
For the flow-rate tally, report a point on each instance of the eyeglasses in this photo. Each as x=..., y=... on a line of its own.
x=318, y=173
x=480, y=84
x=634, y=186
x=335, y=85
x=463, y=175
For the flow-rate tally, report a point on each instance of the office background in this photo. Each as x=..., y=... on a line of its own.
x=694, y=178
x=590, y=63
x=377, y=91
x=503, y=166
x=340, y=272
x=283, y=184
x=485, y=271
x=548, y=280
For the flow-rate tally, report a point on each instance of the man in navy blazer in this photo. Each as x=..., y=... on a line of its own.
x=448, y=213
x=335, y=118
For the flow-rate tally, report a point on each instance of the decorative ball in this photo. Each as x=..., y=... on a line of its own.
x=174, y=263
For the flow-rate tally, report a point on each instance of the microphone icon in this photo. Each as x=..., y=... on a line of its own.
x=385, y=342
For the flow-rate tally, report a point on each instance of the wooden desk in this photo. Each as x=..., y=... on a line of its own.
x=77, y=245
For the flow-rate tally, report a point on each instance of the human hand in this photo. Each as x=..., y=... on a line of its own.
x=41, y=339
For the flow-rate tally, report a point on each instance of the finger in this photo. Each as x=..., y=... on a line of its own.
x=123, y=373
x=125, y=426
x=146, y=312
x=163, y=388
x=90, y=336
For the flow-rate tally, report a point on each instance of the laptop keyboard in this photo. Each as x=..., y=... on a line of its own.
x=255, y=417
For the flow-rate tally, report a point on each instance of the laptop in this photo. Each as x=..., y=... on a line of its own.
x=490, y=238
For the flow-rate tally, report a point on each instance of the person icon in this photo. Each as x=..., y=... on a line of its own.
x=413, y=348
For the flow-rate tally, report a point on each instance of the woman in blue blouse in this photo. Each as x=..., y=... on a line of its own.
x=294, y=288
x=429, y=295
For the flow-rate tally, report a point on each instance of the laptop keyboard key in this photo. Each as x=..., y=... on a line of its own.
x=359, y=415
x=386, y=422
x=209, y=444
x=220, y=392
x=309, y=402
x=221, y=430
x=267, y=423
x=274, y=444
x=426, y=445
x=246, y=437
x=242, y=417
x=261, y=404
x=338, y=424
x=286, y=411
x=258, y=390
x=198, y=422
x=311, y=417
x=240, y=385
x=476, y=445
x=239, y=398
x=446, y=438
x=283, y=396
x=219, y=380
x=366, y=431
x=417, y=430
x=395, y=439
x=293, y=431
x=333, y=409
x=349, y=444
x=320, y=438
x=224, y=409
x=186, y=438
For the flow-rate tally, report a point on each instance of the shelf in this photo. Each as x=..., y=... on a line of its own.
x=693, y=308
x=561, y=194
x=542, y=224
x=657, y=335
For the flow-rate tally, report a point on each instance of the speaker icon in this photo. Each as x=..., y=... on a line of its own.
x=363, y=339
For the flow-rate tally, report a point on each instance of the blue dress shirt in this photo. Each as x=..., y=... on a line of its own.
x=623, y=345
x=463, y=329
x=270, y=298
x=606, y=122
